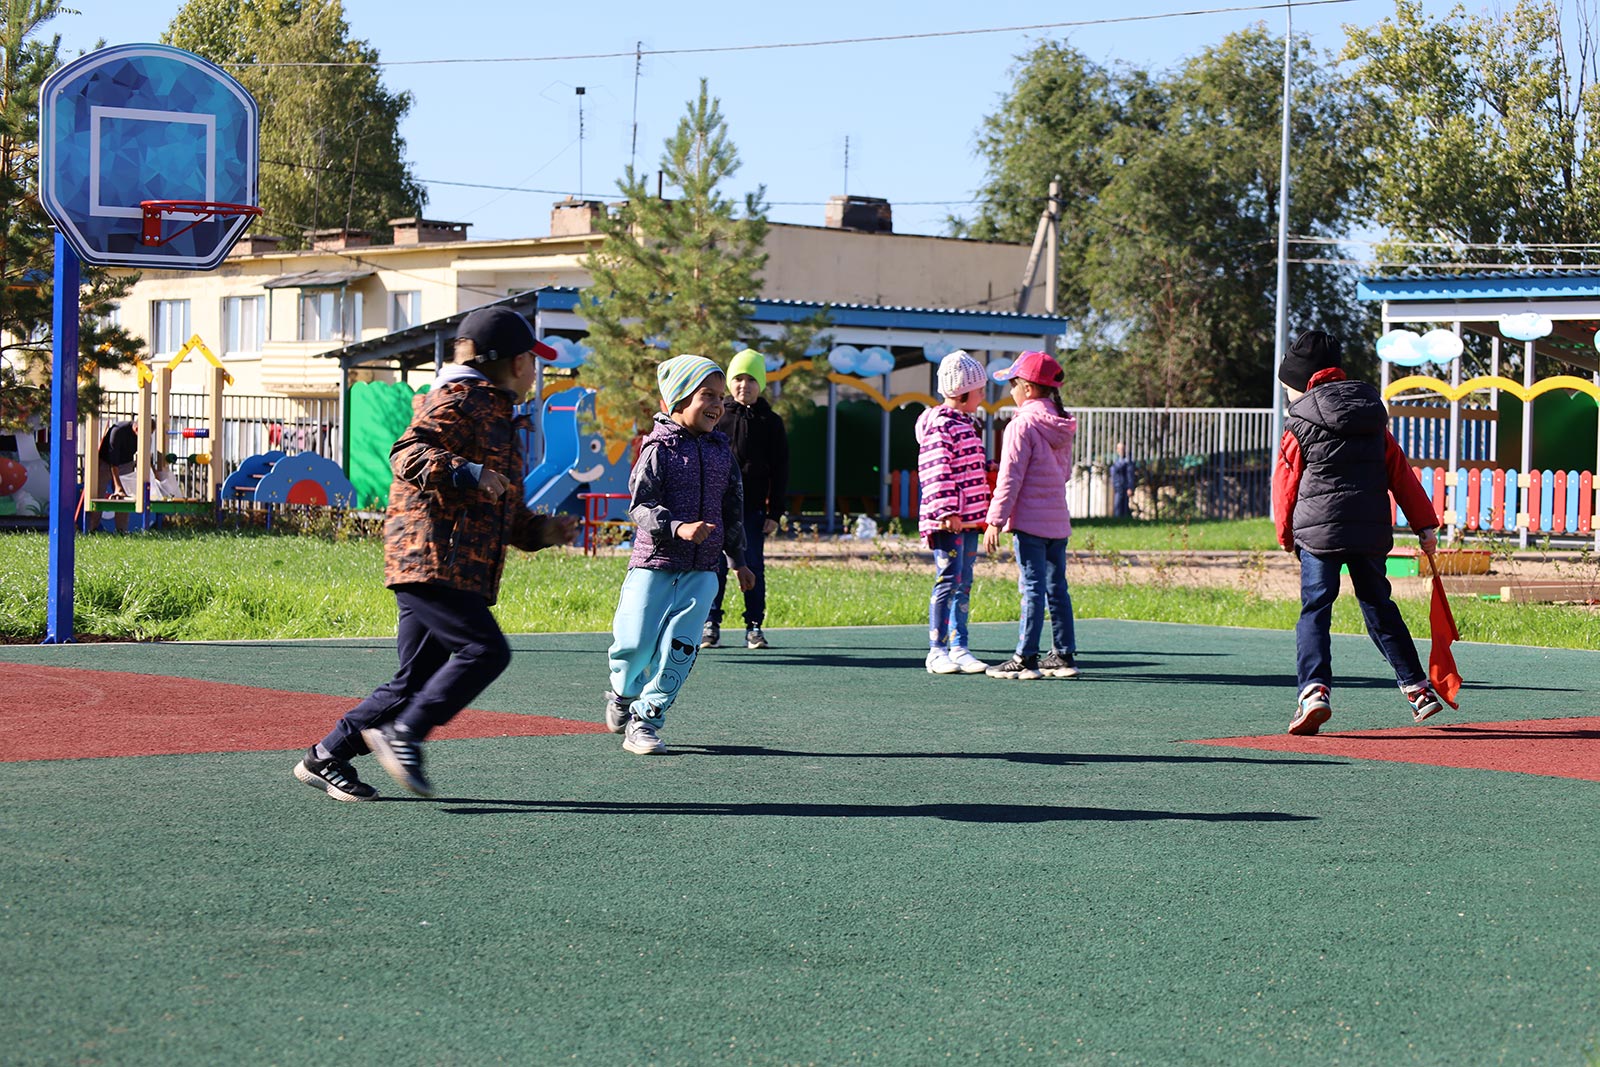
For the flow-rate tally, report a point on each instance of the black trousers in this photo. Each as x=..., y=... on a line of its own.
x=450, y=648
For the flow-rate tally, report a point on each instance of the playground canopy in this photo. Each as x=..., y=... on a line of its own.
x=1523, y=314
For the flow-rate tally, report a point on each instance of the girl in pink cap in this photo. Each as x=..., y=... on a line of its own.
x=1030, y=501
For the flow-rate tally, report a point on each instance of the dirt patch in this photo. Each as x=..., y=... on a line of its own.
x=1571, y=578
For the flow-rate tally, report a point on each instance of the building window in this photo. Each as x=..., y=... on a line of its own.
x=169, y=325
x=405, y=309
x=328, y=314
x=243, y=324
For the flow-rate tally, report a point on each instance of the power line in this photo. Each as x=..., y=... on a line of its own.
x=637, y=53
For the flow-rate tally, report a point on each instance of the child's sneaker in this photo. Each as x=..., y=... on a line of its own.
x=710, y=634
x=334, y=777
x=618, y=711
x=643, y=739
x=966, y=661
x=399, y=755
x=754, y=638
x=1058, y=665
x=939, y=662
x=1425, y=703
x=1312, y=710
x=1025, y=667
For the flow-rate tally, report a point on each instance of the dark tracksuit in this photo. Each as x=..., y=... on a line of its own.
x=761, y=447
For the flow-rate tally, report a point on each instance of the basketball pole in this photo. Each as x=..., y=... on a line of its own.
x=63, y=443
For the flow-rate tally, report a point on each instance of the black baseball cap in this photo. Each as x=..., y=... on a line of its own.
x=500, y=333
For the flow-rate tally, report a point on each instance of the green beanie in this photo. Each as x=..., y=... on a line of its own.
x=749, y=362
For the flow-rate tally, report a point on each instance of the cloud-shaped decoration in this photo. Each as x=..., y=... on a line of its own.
x=1529, y=326
x=773, y=361
x=934, y=351
x=998, y=365
x=874, y=361
x=657, y=342
x=843, y=358
x=568, y=353
x=1406, y=349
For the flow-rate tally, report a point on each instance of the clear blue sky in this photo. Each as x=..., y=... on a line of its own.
x=910, y=108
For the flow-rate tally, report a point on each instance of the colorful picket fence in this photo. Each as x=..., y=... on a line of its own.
x=1541, y=502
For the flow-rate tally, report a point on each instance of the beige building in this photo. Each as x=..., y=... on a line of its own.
x=266, y=313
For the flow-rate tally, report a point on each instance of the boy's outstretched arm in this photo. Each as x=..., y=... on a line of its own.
x=1286, y=488
x=1409, y=494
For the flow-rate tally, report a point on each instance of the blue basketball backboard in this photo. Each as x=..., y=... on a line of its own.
x=140, y=122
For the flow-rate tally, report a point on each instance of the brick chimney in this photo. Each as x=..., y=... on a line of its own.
x=256, y=244
x=868, y=213
x=420, y=231
x=338, y=239
x=573, y=217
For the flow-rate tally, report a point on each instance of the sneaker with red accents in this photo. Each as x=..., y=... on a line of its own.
x=1425, y=703
x=1312, y=710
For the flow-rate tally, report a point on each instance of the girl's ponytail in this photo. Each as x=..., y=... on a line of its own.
x=1054, y=395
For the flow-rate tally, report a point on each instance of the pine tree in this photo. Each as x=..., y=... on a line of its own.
x=27, y=240
x=673, y=275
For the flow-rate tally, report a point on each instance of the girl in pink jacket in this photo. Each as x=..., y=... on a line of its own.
x=1030, y=500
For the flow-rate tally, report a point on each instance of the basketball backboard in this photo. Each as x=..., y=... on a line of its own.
x=142, y=122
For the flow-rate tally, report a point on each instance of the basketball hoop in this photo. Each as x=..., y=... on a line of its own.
x=200, y=210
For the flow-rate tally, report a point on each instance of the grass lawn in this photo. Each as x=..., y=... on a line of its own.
x=205, y=585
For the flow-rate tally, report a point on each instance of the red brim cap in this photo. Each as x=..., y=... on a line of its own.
x=544, y=351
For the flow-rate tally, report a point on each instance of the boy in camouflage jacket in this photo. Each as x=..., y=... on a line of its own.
x=455, y=505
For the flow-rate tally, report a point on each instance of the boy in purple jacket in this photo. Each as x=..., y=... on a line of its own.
x=687, y=510
x=1030, y=500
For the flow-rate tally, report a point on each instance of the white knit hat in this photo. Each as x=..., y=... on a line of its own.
x=960, y=374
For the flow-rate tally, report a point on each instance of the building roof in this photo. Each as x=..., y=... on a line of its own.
x=316, y=279
x=416, y=345
x=1519, y=284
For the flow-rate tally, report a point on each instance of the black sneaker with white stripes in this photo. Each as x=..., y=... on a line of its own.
x=400, y=755
x=334, y=777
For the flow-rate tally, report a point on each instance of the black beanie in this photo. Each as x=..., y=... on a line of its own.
x=500, y=333
x=1312, y=351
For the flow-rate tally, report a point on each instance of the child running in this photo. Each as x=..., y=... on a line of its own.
x=952, y=474
x=455, y=505
x=687, y=510
x=1030, y=500
x=1337, y=465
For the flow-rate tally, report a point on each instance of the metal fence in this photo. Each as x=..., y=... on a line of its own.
x=1211, y=463
x=250, y=425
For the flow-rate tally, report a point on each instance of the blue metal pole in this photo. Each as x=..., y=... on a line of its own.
x=63, y=445
x=883, y=458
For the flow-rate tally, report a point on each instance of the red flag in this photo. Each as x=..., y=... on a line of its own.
x=1442, y=670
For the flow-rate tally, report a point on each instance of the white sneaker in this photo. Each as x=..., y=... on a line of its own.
x=939, y=662
x=642, y=739
x=967, y=662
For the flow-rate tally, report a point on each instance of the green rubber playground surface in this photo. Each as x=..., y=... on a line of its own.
x=846, y=860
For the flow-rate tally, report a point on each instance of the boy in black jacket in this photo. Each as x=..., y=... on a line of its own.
x=761, y=448
x=1337, y=465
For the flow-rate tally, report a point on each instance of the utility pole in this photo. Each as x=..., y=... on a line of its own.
x=1280, y=339
x=579, y=91
x=1046, y=240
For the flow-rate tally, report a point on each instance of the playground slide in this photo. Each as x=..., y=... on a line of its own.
x=548, y=484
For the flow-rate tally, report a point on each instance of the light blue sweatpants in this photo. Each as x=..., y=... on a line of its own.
x=656, y=635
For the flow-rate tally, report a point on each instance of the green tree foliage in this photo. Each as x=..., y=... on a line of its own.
x=1168, y=265
x=331, y=150
x=672, y=275
x=27, y=254
x=1482, y=131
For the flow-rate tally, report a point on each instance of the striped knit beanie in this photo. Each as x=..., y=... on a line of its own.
x=680, y=376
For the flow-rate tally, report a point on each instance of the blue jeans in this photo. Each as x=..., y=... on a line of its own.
x=1319, y=587
x=954, y=556
x=755, y=557
x=1042, y=581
